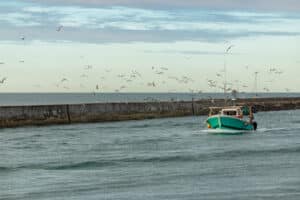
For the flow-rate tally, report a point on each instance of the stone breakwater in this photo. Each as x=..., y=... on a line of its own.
x=13, y=116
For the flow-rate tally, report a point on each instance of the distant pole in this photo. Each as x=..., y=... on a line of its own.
x=255, y=83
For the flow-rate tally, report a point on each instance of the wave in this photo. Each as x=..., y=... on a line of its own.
x=259, y=130
x=179, y=158
x=210, y=156
x=175, y=157
x=82, y=165
x=140, y=126
x=162, y=122
x=277, y=129
x=59, y=166
x=5, y=169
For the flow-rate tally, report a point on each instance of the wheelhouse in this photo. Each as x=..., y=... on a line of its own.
x=234, y=112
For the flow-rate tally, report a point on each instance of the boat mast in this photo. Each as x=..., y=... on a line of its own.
x=225, y=72
x=225, y=78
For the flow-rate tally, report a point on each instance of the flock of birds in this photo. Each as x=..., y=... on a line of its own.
x=23, y=38
x=133, y=76
x=238, y=85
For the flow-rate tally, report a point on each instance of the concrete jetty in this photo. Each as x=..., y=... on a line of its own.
x=13, y=116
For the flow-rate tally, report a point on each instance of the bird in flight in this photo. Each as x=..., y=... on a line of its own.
x=87, y=67
x=59, y=28
x=278, y=72
x=3, y=80
x=63, y=80
x=159, y=72
x=151, y=84
x=121, y=75
x=83, y=76
x=230, y=47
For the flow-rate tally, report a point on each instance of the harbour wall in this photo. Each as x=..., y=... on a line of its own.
x=13, y=116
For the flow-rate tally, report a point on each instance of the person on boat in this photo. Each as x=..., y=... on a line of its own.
x=251, y=116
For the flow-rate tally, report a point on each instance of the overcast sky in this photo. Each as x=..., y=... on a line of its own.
x=149, y=46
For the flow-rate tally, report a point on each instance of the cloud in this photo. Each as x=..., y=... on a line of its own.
x=186, y=52
x=19, y=19
x=129, y=36
x=128, y=24
x=263, y=5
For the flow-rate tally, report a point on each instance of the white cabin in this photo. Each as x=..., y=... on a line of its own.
x=234, y=112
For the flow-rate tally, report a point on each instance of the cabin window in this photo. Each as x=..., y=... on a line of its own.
x=230, y=112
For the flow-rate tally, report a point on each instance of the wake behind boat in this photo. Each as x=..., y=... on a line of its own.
x=231, y=118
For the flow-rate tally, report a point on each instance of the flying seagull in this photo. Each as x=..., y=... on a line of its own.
x=151, y=84
x=59, y=28
x=63, y=80
x=3, y=79
x=159, y=72
x=87, y=67
x=230, y=47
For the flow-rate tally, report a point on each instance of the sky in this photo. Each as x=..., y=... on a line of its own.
x=149, y=46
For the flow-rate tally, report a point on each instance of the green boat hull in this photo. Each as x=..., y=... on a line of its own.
x=228, y=122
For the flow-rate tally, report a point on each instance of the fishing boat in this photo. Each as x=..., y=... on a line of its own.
x=231, y=118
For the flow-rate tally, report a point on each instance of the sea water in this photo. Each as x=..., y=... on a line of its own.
x=171, y=158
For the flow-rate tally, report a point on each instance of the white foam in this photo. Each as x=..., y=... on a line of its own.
x=225, y=131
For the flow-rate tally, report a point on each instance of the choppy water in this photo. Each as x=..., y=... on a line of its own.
x=152, y=159
x=73, y=98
